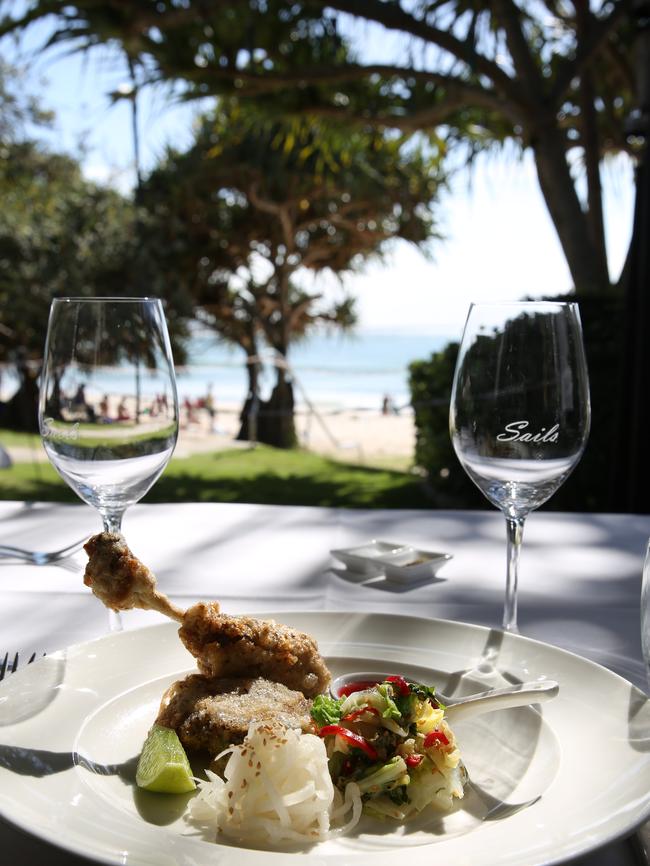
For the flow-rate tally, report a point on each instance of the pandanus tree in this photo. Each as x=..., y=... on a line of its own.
x=556, y=78
x=256, y=204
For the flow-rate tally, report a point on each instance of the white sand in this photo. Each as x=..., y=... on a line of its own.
x=348, y=435
x=360, y=435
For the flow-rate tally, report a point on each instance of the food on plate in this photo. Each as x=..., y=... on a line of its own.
x=276, y=788
x=210, y=714
x=298, y=761
x=392, y=741
x=223, y=645
x=163, y=764
x=119, y=580
x=240, y=646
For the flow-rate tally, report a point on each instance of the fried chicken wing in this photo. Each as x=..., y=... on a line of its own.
x=120, y=580
x=224, y=646
x=240, y=646
x=209, y=714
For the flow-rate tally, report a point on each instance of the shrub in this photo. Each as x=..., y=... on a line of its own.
x=590, y=486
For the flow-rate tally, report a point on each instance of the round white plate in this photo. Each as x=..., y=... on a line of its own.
x=547, y=783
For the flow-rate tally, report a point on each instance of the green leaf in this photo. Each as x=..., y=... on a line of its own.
x=326, y=710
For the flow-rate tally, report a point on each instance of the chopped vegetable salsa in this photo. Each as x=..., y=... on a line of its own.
x=392, y=741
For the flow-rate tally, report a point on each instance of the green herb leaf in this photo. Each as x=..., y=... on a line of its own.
x=392, y=710
x=425, y=693
x=326, y=710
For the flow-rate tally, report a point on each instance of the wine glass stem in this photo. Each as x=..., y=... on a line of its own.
x=113, y=523
x=515, y=531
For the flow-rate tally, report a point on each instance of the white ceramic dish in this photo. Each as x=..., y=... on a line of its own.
x=399, y=562
x=554, y=785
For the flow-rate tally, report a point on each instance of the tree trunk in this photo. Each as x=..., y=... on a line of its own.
x=589, y=273
x=277, y=425
x=21, y=411
x=630, y=462
x=249, y=415
x=591, y=143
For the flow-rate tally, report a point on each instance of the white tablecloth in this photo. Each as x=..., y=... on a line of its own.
x=580, y=580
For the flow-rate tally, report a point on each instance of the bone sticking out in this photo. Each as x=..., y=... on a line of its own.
x=120, y=581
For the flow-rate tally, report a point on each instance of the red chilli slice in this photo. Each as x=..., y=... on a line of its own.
x=435, y=738
x=400, y=684
x=413, y=760
x=353, y=739
x=356, y=713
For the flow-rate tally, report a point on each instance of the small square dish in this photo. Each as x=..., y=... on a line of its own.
x=364, y=558
x=411, y=565
x=401, y=563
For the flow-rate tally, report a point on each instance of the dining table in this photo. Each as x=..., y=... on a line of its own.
x=579, y=588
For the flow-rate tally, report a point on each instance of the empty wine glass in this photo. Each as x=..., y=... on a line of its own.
x=519, y=414
x=108, y=408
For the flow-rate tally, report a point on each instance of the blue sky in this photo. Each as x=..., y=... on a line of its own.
x=500, y=243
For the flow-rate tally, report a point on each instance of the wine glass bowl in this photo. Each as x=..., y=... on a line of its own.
x=108, y=406
x=519, y=412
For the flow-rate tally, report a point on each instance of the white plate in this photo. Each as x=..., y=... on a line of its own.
x=400, y=562
x=545, y=786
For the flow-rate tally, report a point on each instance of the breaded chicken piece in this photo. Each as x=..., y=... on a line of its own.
x=240, y=646
x=120, y=580
x=224, y=646
x=210, y=714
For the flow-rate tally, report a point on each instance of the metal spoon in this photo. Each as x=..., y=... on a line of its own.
x=462, y=707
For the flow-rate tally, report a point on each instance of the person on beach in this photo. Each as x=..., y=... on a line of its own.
x=103, y=409
x=210, y=407
x=122, y=411
x=81, y=405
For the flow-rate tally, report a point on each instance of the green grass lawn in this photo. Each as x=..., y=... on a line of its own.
x=261, y=475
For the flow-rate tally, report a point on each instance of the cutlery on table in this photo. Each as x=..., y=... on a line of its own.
x=9, y=663
x=518, y=695
x=41, y=557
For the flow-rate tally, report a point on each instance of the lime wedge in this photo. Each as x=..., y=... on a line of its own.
x=163, y=764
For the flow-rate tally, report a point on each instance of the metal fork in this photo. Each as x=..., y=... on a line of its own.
x=40, y=557
x=8, y=666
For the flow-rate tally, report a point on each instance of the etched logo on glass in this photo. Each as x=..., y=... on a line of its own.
x=49, y=431
x=517, y=431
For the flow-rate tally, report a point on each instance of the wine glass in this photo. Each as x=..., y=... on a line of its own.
x=519, y=414
x=108, y=407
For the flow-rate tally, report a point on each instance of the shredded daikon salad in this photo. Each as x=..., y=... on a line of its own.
x=276, y=789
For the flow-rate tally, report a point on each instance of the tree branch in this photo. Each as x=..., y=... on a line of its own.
x=281, y=211
x=527, y=72
x=250, y=84
x=393, y=17
x=587, y=49
x=458, y=95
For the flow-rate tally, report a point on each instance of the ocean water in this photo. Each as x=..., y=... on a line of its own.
x=331, y=371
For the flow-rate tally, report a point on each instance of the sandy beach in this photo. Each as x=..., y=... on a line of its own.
x=360, y=435
x=354, y=435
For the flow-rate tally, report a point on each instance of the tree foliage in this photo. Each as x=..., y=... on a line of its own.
x=255, y=203
x=555, y=77
x=60, y=235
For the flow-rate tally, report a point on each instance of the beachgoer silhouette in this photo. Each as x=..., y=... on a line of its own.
x=122, y=411
x=211, y=408
x=79, y=403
